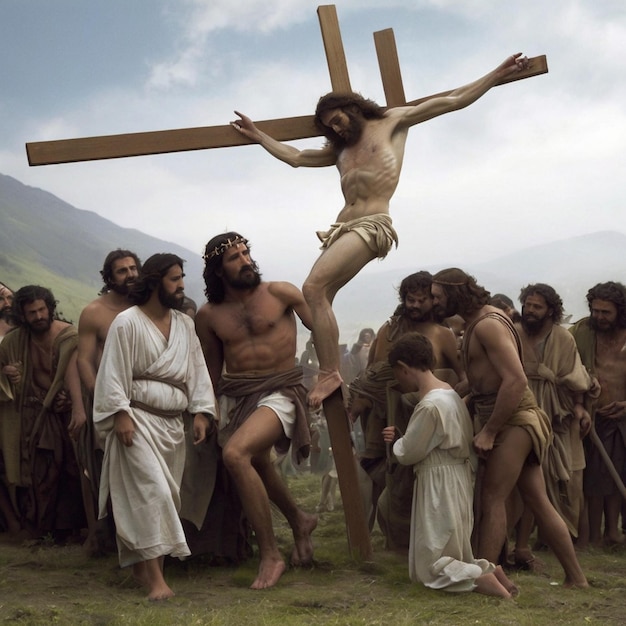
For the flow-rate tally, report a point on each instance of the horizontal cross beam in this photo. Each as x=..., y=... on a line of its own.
x=200, y=138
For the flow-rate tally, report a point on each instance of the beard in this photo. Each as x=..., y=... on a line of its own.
x=351, y=135
x=603, y=326
x=5, y=314
x=442, y=312
x=248, y=278
x=124, y=288
x=416, y=315
x=531, y=324
x=172, y=300
x=40, y=326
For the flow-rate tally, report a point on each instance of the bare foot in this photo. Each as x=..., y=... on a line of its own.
x=302, y=553
x=160, y=592
x=576, y=584
x=506, y=582
x=489, y=585
x=270, y=570
x=327, y=382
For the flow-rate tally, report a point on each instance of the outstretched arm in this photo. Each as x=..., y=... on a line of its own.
x=461, y=97
x=288, y=154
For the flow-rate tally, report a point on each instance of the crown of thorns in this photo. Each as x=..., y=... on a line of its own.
x=229, y=243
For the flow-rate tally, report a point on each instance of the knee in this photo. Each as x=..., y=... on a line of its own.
x=234, y=457
x=313, y=291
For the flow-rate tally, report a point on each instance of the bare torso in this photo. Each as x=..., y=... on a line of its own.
x=93, y=326
x=370, y=170
x=42, y=356
x=257, y=332
x=482, y=373
x=611, y=366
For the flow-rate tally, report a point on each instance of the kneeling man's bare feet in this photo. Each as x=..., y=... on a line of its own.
x=489, y=585
x=270, y=571
x=506, y=582
x=302, y=553
x=327, y=382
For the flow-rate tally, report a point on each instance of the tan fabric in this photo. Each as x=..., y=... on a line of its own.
x=248, y=390
x=554, y=376
x=376, y=230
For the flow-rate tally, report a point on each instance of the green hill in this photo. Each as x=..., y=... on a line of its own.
x=46, y=241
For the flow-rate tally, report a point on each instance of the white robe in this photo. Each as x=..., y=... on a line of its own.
x=144, y=479
x=437, y=441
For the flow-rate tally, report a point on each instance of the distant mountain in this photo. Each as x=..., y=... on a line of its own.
x=46, y=241
x=571, y=266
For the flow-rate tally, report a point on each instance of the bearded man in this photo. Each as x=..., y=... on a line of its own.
x=366, y=144
x=376, y=399
x=601, y=341
x=152, y=369
x=248, y=333
x=39, y=360
x=511, y=432
x=563, y=389
x=119, y=272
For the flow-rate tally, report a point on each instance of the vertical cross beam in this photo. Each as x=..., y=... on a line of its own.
x=389, y=65
x=333, y=46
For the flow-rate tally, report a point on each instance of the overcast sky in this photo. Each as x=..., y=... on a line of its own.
x=530, y=162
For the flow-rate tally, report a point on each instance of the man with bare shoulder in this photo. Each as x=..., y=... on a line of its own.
x=380, y=404
x=601, y=341
x=512, y=433
x=248, y=335
x=366, y=144
x=119, y=272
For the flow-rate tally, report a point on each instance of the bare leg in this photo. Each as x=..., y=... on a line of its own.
x=332, y=270
x=612, y=507
x=502, y=470
x=551, y=526
x=596, y=511
x=149, y=574
x=506, y=582
x=246, y=455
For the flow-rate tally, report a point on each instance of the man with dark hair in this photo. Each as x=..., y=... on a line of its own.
x=248, y=334
x=119, y=272
x=437, y=445
x=39, y=360
x=601, y=341
x=380, y=404
x=6, y=301
x=366, y=143
x=152, y=369
x=561, y=386
x=512, y=433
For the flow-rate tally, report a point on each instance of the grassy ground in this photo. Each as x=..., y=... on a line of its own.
x=45, y=584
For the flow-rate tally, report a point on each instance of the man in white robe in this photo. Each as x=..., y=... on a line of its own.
x=438, y=443
x=152, y=369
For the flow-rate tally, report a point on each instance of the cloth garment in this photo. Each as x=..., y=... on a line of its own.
x=555, y=374
x=154, y=380
x=437, y=443
x=249, y=392
x=611, y=432
x=38, y=453
x=376, y=230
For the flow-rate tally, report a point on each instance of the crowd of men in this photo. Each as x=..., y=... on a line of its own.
x=150, y=430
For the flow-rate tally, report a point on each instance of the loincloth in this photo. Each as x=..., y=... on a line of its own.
x=527, y=415
x=247, y=394
x=376, y=230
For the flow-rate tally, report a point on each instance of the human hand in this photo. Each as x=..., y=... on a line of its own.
x=124, y=428
x=62, y=402
x=13, y=371
x=483, y=443
x=613, y=410
x=77, y=421
x=389, y=434
x=246, y=127
x=513, y=64
x=202, y=427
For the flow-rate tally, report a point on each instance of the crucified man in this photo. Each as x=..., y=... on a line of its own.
x=366, y=143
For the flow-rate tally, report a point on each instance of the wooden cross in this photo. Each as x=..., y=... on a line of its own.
x=286, y=129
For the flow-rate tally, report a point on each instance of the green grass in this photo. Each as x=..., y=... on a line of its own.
x=52, y=585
